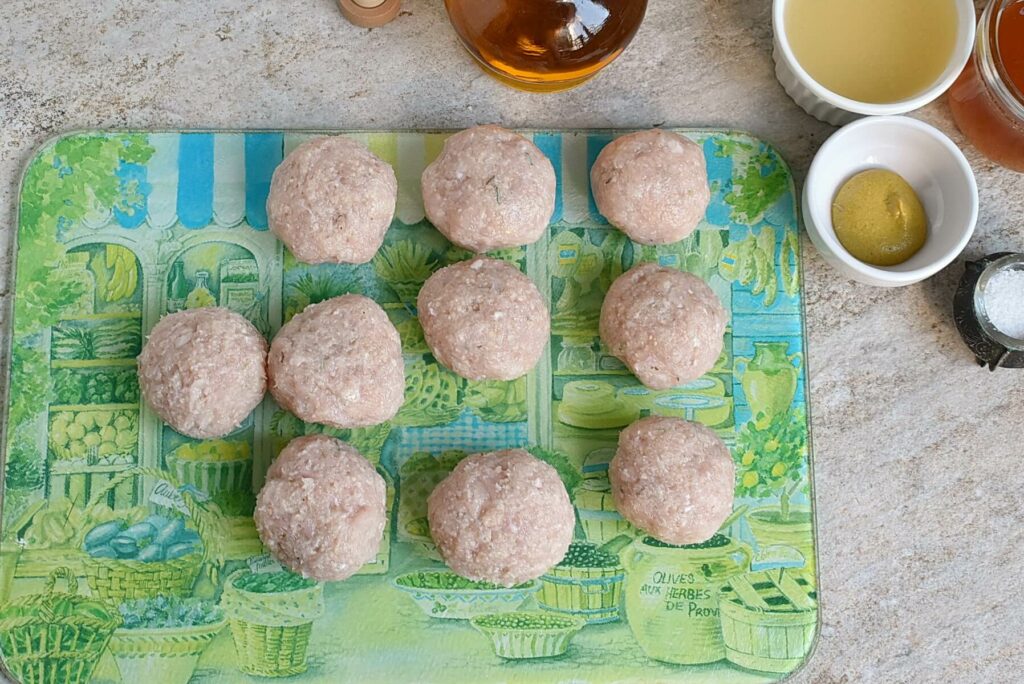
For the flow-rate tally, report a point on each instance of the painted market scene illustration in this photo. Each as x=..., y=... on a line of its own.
x=129, y=549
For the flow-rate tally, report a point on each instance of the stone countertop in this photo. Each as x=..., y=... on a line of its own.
x=917, y=460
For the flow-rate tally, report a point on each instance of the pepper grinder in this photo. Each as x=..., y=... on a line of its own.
x=370, y=13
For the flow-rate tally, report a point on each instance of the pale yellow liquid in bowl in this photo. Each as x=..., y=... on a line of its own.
x=874, y=51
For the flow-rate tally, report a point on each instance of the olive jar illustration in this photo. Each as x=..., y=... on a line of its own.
x=672, y=596
x=769, y=379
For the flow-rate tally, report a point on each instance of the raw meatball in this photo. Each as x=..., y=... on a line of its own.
x=673, y=479
x=484, y=319
x=331, y=201
x=489, y=189
x=203, y=371
x=653, y=185
x=667, y=326
x=339, y=363
x=322, y=509
x=502, y=517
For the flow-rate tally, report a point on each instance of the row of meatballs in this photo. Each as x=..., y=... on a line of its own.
x=502, y=517
x=332, y=200
x=339, y=362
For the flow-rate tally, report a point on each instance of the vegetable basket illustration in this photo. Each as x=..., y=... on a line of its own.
x=165, y=635
x=159, y=555
x=55, y=636
x=271, y=617
x=220, y=469
x=587, y=583
x=600, y=519
x=519, y=636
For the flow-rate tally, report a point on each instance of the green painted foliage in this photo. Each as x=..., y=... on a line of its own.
x=566, y=470
x=65, y=182
x=759, y=182
x=770, y=453
x=169, y=612
x=497, y=401
x=431, y=396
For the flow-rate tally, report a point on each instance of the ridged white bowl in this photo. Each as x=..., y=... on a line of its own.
x=827, y=106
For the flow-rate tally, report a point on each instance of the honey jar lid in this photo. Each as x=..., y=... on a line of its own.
x=369, y=13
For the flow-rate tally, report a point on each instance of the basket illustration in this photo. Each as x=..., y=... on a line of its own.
x=519, y=636
x=164, y=635
x=587, y=584
x=54, y=636
x=768, y=619
x=445, y=595
x=226, y=482
x=271, y=617
x=123, y=580
x=600, y=519
x=172, y=652
x=170, y=570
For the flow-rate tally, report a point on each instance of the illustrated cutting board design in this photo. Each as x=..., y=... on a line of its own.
x=154, y=531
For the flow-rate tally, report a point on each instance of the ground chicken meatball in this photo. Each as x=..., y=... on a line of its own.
x=331, y=201
x=489, y=189
x=203, y=371
x=339, y=363
x=667, y=326
x=502, y=517
x=484, y=319
x=673, y=479
x=322, y=509
x=653, y=185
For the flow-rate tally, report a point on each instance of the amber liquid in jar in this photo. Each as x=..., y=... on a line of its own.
x=545, y=45
x=988, y=99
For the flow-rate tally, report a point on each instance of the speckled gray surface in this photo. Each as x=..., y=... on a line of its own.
x=918, y=454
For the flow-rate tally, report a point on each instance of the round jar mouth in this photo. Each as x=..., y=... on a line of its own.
x=989, y=57
x=1011, y=262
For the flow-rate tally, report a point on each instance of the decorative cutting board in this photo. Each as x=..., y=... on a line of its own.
x=155, y=529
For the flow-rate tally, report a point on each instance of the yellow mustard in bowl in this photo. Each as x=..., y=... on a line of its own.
x=879, y=219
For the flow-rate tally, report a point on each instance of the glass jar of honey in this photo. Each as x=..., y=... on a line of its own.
x=988, y=98
x=545, y=45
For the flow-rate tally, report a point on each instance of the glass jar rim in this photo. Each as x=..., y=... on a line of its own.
x=990, y=63
x=1006, y=263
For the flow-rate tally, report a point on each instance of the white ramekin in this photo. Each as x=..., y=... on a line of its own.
x=827, y=106
x=928, y=160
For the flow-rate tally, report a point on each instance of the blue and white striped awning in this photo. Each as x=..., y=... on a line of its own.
x=222, y=179
x=201, y=179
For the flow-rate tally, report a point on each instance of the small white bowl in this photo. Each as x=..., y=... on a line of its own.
x=830, y=107
x=928, y=160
